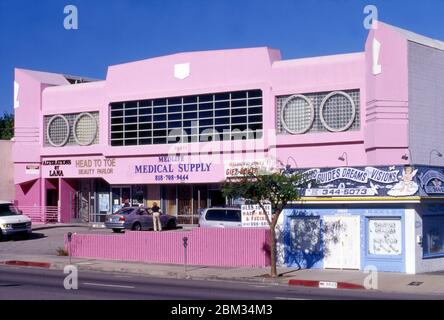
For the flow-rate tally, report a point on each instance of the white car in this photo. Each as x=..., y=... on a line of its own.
x=12, y=221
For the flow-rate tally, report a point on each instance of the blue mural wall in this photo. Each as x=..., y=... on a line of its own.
x=382, y=242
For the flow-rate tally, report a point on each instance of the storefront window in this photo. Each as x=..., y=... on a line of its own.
x=384, y=236
x=433, y=235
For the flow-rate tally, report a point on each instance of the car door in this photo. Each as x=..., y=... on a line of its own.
x=145, y=219
x=214, y=218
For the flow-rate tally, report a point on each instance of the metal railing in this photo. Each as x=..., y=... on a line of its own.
x=42, y=214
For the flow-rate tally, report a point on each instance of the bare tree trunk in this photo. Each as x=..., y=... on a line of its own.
x=273, y=251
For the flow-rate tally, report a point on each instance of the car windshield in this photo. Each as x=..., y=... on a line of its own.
x=125, y=211
x=7, y=209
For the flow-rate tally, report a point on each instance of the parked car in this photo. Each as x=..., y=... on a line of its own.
x=13, y=221
x=137, y=219
x=220, y=217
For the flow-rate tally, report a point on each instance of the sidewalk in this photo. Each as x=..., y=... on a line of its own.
x=387, y=282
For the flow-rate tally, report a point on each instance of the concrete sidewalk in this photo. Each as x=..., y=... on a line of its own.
x=386, y=282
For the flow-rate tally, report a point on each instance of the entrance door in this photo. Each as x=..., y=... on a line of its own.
x=118, y=197
x=342, y=242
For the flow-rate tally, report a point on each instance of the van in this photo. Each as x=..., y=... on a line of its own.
x=219, y=217
x=12, y=221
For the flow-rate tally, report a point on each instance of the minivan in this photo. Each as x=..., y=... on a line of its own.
x=219, y=217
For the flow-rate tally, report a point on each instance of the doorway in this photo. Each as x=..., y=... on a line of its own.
x=119, y=195
x=342, y=242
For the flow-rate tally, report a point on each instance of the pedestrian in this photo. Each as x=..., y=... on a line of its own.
x=156, y=217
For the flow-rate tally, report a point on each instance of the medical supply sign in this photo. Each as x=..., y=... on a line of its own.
x=253, y=216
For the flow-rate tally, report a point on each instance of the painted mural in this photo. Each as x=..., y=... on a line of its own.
x=387, y=181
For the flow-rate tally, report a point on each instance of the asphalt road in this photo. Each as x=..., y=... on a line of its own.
x=44, y=284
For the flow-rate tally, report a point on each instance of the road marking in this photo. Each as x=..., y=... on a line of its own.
x=259, y=286
x=289, y=298
x=108, y=285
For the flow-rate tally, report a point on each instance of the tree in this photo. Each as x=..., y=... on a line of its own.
x=259, y=187
x=6, y=126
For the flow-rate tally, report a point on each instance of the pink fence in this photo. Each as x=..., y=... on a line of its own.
x=210, y=247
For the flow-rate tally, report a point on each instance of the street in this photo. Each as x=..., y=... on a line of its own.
x=43, y=284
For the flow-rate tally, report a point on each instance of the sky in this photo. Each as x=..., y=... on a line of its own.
x=32, y=33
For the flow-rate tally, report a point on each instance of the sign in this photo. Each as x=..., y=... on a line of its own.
x=359, y=182
x=253, y=216
x=103, y=202
x=384, y=236
x=32, y=169
x=432, y=182
x=239, y=168
x=173, y=169
x=56, y=167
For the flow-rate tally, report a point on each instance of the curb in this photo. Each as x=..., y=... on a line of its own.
x=21, y=263
x=325, y=284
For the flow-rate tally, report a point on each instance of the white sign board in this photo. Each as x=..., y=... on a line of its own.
x=253, y=216
x=32, y=169
x=239, y=168
x=384, y=236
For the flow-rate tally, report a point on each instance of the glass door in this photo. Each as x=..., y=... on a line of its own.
x=119, y=195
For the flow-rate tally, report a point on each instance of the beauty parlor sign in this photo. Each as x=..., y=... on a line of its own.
x=394, y=181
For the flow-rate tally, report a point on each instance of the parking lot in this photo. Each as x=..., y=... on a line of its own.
x=44, y=241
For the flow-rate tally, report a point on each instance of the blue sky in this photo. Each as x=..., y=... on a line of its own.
x=116, y=31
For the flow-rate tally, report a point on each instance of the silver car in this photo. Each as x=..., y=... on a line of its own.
x=137, y=219
x=220, y=218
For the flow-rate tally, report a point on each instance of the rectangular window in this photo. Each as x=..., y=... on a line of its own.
x=238, y=113
x=384, y=236
x=433, y=235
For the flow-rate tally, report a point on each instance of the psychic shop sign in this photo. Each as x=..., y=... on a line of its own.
x=353, y=174
x=173, y=168
x=355, y=182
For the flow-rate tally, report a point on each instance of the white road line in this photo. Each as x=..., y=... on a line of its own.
x=107, y=285
x=259, y=286
x=289, y=298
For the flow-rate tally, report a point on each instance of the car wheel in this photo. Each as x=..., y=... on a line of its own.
x=171, y=224
x=137, y=227
x=117, y=230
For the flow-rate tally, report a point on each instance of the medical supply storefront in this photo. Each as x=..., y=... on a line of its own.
x=93, y=187
x=385, y=219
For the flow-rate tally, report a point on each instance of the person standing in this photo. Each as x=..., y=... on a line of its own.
x=156, y=217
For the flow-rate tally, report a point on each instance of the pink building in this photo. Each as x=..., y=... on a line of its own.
x=171, y=129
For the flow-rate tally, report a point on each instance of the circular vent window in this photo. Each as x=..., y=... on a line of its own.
x=85, y=129
x=297, y=114
x=337, y=111
x=57, y=131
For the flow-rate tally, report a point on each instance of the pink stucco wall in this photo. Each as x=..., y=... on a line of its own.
x=381, y=139
x=211, y=247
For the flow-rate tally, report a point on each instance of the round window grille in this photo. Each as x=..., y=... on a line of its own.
x=337, y=111
x=297, y=114
x=57, y=131
x=85, y=129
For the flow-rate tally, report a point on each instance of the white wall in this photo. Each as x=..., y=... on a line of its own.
x=7, y=189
